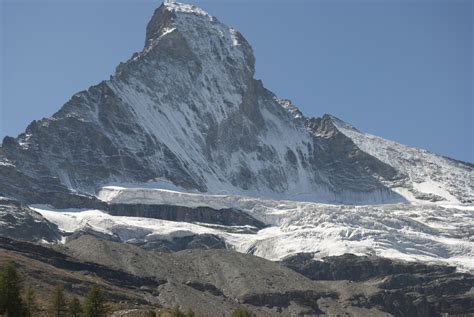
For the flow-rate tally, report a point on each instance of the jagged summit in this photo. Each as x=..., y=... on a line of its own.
x=203, y=33
x=174, y=6
x=187, y=110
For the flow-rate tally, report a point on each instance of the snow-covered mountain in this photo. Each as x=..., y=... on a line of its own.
x=185, y=123
x=187, y=110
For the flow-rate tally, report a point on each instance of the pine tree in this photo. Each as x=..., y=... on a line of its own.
x=29, y=300
x=94, y=304
x=57, y=306
x=10, y=284
x=75, y=308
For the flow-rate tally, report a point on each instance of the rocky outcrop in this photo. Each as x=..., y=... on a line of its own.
x=193, y=242
x=158, y=243
x=406, y=288
x=20, y=222
x=226, y=217
x=357, y=268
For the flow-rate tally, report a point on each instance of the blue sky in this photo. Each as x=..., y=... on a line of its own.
x=399, y=69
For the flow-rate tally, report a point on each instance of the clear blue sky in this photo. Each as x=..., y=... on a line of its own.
x=401, y=69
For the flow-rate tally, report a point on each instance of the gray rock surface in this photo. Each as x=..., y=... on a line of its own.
x=214, y=282
x=407, y=288
x=225, y=217
x=20, y=222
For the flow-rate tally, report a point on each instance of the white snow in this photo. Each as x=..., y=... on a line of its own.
x=428, y=173
x=426, y=233
x=433, y=187
x=184, y=8
x=5, y=163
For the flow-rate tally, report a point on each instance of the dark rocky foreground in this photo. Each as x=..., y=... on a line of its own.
x=215, y=282
x=407, y=289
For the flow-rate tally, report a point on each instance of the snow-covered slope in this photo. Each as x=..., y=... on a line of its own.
x=431, y=177
x=427, y=233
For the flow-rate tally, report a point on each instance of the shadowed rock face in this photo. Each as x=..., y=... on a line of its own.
x=160, y=244
x=20, y=222
x=187, y=109
x=226, y=217
x=407, y=289
x=195, y=242
x=357, y=268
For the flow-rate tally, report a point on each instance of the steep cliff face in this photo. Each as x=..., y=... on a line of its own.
x=187, y=109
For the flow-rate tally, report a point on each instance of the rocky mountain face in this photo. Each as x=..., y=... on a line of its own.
x=21, y=222
x=183, y=149
x=187, y=110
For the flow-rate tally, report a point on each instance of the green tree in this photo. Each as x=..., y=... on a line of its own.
x=29, y=301
x=190, y=313
x=57, y=304
x=10, y=285
x=75, y=308
x=241, y=313
x=94, y=304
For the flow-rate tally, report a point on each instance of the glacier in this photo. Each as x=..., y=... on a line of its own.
x=413, y=232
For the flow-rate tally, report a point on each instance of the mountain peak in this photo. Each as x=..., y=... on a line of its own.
x=178, y=7
x=193, y=30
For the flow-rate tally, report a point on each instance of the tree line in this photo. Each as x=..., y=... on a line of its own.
x=19, y=301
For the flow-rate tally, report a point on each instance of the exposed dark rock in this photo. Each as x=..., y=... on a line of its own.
x=44, y=189
x=357, y=268
x=205, y=287
x=307, y=299
x=91, y=232
x=20, y=222
x=194, y=242
x=407, y=288
x=226, y=217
